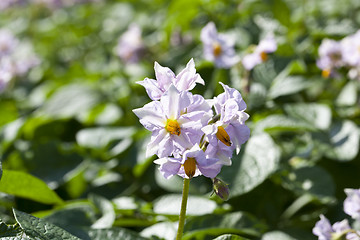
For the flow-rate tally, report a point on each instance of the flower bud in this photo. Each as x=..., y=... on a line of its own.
x=221, y=189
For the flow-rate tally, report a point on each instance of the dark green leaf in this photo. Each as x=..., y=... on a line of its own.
x=38, y=228
x=27, y=186
x=258, y=161
x=10, y=230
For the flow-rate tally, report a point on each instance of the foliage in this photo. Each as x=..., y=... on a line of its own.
x=73, y=153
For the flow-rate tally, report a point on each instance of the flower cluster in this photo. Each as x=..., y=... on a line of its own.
x=334, y=55
x=191, y=135
x=219, y=48
x=16, y=58
x=341, y=230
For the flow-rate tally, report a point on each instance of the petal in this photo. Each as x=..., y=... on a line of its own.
x=210, y=171
x=187, y=78
x=239, y=134
x=168, y=168
x=251, y=60
x=164, y=76
x=171, y=103
x=153, y=146
x=151, y=116
x=209, y=33
x=152, y=88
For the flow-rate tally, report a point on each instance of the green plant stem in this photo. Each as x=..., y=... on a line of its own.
x=183, y=209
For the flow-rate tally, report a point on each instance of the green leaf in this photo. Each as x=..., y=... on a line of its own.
x=314, y=114
x=1, y=171
x=101, y=137
x=341, y=142
x=286, y=85
x=253, y=166
x=281, y=12
x=163, y=230
x=348, y=95
x=276, y=235
x=230, y=237
x=215, y=225
x=24, y=185
x=170, y=205
x=113, y=233
x=107, y=210
x=40, y=229
x=280, y=123
x=73, y=100
x=10, y=230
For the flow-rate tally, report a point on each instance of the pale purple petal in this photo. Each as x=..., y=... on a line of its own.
x=239, y=134
x=187, y=78
x=267, y=45
x=164, y=76
x=167, y=167
x=151, y=115
x=251, y=60
x=352, y=203
x=152, y=88
x=323, y=229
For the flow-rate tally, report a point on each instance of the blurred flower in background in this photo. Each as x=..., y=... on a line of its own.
x=331, y=57
x=16, y=58
x=130, y=46
x=218, y=48
x=260, y=53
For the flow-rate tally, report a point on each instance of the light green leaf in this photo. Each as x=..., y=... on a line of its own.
x=258, y=161
x=113, y=233
x=314, y=114
x=281, y=12
x=164, y=230
x=101, y=137
x=196, y=206
x=230, y=237
x=24, y=185
x=215, y=225
x=341, y=142
x=73, y=100
x=107, y=210
x=40, y=229
x=281, y=123
x=286, y=85
x=276, y=235
x=1, y=171
x=348, y=95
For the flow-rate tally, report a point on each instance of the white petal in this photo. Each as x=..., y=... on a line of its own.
x=164, y=76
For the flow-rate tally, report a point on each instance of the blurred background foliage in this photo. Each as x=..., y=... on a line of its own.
x=72, y=151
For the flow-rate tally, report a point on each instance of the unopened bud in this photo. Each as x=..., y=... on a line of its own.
x=221, y=189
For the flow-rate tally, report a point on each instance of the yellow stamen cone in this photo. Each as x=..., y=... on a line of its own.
x=217, y=49
x=223, y=136
x=190, y=167
x=173, y=127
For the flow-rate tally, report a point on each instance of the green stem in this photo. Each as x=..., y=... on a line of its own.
x=183, y=209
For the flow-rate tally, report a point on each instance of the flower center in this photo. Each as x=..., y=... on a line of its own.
x=223, y=136
x=173, y=127
x=190, y=167
x=326, y=73
x=263, y=56
x=217, y=49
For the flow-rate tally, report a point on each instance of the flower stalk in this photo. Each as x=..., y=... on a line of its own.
x=182, y=215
